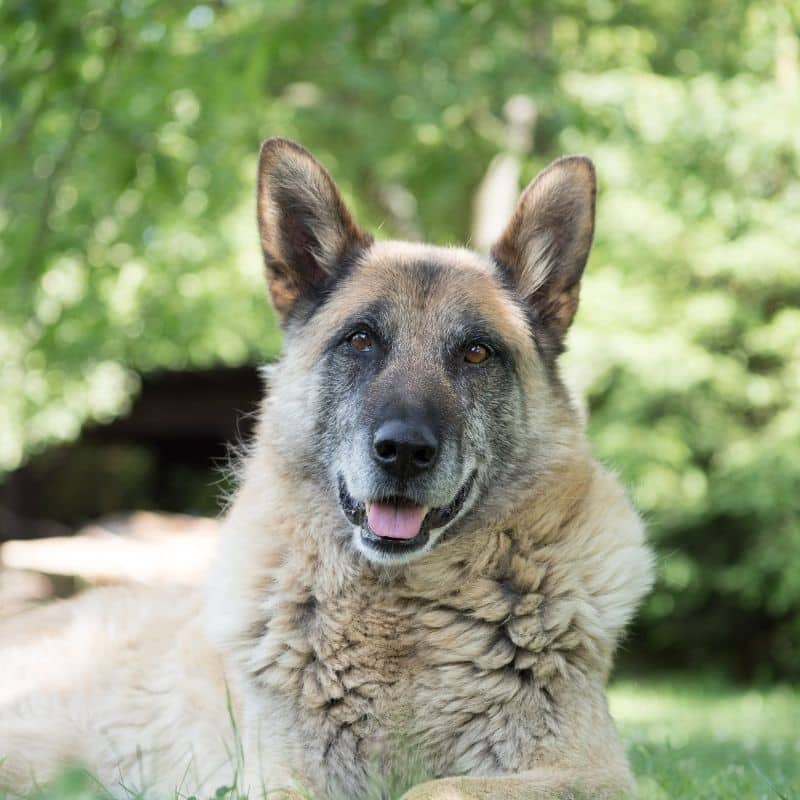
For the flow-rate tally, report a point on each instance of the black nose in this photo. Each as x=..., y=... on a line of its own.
x=405, y=448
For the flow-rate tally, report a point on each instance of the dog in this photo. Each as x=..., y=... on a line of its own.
x=423, y=575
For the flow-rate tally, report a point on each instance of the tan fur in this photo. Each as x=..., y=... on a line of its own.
x=484, y=661
x=121, y=680
x=383, y=271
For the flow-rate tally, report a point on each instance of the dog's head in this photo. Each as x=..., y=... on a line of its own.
x=418, y=385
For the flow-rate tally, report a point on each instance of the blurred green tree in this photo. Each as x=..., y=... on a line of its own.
x=128, y=136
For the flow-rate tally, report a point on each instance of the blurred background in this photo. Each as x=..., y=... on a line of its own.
x=133, y=307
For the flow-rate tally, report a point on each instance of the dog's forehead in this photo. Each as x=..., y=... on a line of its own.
x=408, y=255
x=424, y=284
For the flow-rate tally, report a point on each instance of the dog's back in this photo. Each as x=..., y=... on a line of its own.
x=120, y=680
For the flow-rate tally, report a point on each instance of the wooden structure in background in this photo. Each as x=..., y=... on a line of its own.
x=184, y=420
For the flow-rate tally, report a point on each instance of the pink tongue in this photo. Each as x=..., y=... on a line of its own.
x=395, y=522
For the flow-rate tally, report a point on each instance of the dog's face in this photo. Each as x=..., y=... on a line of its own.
x=418, y=382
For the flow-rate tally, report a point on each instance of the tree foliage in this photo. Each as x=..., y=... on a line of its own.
x=128, y=136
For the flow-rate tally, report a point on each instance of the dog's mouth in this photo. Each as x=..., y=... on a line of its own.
x=397, y=524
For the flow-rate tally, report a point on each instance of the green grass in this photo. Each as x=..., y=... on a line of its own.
x=700, y=739
x=688, y=739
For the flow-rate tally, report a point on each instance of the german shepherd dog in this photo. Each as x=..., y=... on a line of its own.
x=424, y=573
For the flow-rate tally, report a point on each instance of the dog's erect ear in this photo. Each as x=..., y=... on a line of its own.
x=546, y=244
x=306, y=229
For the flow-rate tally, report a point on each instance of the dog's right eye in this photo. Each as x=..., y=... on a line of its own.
x=476, y=353
x=361, y=341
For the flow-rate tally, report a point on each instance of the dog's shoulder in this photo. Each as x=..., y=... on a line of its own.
x=560, y=580
x=607, y=545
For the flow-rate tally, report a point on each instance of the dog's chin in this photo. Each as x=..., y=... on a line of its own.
x=384, y=548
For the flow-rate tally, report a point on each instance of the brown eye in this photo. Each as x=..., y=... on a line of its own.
x=361, y=341
x=476, y=353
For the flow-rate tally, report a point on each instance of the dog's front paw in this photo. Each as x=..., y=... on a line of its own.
x=445, y=789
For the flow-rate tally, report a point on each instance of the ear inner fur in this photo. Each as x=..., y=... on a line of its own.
x=546, y=243
x=304, y=225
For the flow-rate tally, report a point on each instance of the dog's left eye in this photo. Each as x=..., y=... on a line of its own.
x=476, y=353
x=360, y=341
